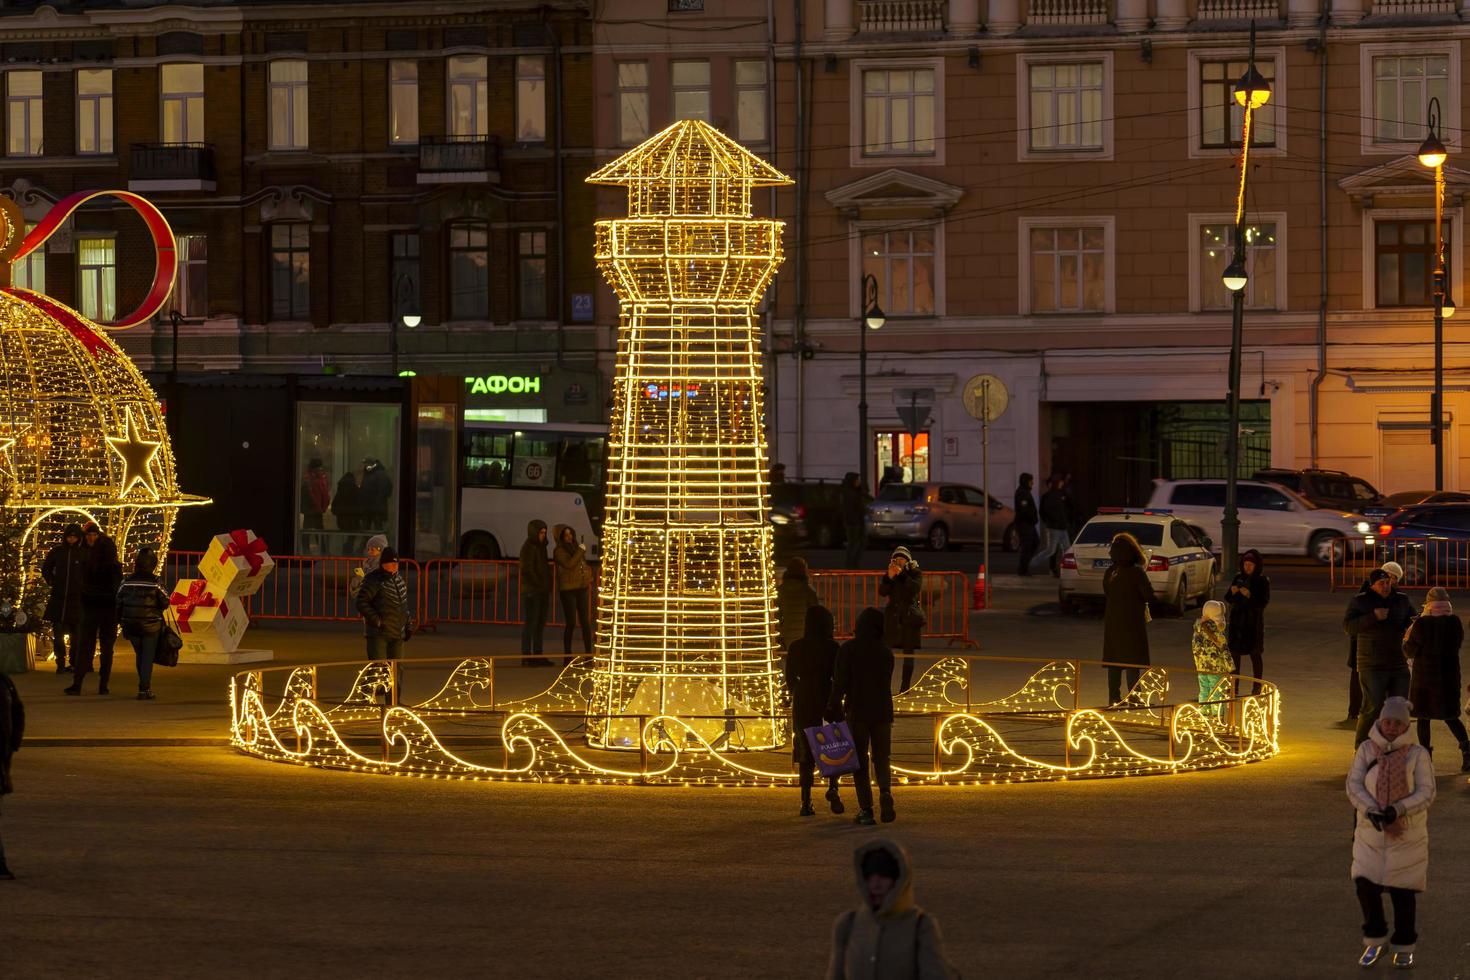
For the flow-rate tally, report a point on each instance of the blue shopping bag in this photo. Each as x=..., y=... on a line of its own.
x=832, y=747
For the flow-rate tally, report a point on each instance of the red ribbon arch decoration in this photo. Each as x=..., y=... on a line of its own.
x=165, y=252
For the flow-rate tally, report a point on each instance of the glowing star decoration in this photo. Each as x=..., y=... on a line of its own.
x=137, y=456
x=686, y=617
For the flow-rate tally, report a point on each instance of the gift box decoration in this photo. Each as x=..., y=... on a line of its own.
x=236, y=564
x=206, y=622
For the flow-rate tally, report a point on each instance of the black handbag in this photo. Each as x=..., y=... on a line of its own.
x=169, y=645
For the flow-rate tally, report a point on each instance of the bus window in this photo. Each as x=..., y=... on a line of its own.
x=534, y=462
x=581, y=462
x=486, y=459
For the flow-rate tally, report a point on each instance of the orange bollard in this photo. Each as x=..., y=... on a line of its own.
x=981, y=597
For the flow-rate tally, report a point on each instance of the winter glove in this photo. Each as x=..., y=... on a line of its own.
x=1389, y=815
x=1375, y=818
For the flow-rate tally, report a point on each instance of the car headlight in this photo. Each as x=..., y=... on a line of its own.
x=1363, y=527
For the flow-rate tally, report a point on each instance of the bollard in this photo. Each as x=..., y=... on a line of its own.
x=980, y=599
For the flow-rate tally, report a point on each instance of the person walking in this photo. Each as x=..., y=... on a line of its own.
x=574, y=587
x=794, y=596
x=1211, y=653
x=535, y=576
x=383, y=604
x=1432, y=648
x=12, y=730
x=1377, y=620
x=1056, y=524
x=1247, y=597
x=140, y=606
x=1025, y=523
x=862, y=695
x=315, y=498
x=1126, y=595
x=1355, y=689
x=62, y=571
x=903, y=617
x=811, y=661
x=854, y=510
x=101, y=578
x=888, y=936
x=1390, y=785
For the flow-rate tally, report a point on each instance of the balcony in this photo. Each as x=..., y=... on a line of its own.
x=1239, y=10
x=459, y=160
x=1413, y=8
x=1067, y=13
x=901, y=16
x=172, y=167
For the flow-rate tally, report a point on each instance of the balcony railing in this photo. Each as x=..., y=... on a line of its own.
x=901, y=16
x=1412, y=8
x=1239, y=10
x=1067, y=12
x=173, y=161
x=459, y=155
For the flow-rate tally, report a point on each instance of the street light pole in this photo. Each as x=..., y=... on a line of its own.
x=1432, y=154
x=871, y=319
x=1251, y=92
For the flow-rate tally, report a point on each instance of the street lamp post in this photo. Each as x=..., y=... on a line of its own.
x=871, y=319
x=1432, y=154
x=1251, y=92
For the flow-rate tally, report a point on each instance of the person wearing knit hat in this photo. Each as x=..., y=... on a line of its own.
x=1211, y=658
x=1432, y=646
x=1377, y=619
x=1390, y=785
x=383, y=604
x=1394, y=569
x=903, y=616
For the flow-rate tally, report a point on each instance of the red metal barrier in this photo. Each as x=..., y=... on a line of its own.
x=302, y=587
x=1426, y=562
x=482, y=593
x=945, y=599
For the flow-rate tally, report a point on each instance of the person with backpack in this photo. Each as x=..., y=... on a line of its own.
x=140, y=606
x=62, y=571
x=862, y=695
x=888, y=936
x=383, y=604
x=12, y=730
x=903, y=617
x=811, y=661
x=101, y=578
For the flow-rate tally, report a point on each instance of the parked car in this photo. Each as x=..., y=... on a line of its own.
x=1408, y=498
x=1180, y=565
x=1333, y=489
x=1273, y=519
x=1429, y=540
x=809, y=510
x=941, y=515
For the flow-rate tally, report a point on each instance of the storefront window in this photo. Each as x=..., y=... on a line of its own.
x=434, y=482
x=347, y=458
x=901, y=458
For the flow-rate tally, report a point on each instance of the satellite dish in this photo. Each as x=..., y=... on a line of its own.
x=986, y=397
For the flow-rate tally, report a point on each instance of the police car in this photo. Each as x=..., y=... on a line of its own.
x=1180, y=565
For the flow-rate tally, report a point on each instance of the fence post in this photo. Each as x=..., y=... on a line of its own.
x=938, y=768
x=394, y=679
x=642, y=751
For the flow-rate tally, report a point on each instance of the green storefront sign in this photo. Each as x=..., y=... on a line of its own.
x=498, y=384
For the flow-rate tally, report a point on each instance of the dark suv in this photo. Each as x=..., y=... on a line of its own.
x=1431, y=541
x=1332, y=489
x=809, y=510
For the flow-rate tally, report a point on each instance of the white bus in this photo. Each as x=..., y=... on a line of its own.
x=514, y=472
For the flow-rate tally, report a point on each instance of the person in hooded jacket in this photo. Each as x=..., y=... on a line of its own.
x=62, y=571
x=811, y=660
x=574, y=587
x=794, y=596
x=373, y=549
x=903, y=617
x=1025, y=524
x=101, y=577
x=535, y=573
x=12, y=730
x=1432, y=647
x=140, y=606
x=1377, y=623
x=1246, y=598
x=862, y=695
x=383, y=604
x=1211, y=658
x=888, y=936
x=1126, y=595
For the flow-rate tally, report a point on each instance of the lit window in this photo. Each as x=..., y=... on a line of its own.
x=1220, y=115
x=469, y=271
x=1404, y=260
x=1402, y=88
x=1217, y=251
x=288, y=105
x=903, y=263
x=531, y=253
x=290, y=271
x=632, y=102
x=191, y=294
x=182, y=88
x=469, y=90
x=30, y=272
x=1067, y=106
x=1068, y=270
x=403, y=102
x=530, y=99
x=750, y=102
x=691, y=90
x=97, y=265
x=23, y=104
x=898, y=111
x=94, y=110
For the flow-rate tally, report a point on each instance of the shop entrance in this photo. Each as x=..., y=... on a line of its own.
x=900, y=457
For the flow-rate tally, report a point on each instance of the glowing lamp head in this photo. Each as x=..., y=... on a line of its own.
x=412, y=320
x=1252, y=91
x=1235, y=276
x=874, y=318
x=1432, y=152
x=1447, y=309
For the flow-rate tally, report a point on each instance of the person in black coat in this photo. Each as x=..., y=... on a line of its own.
x=382, y=602
x=62, y=571
x=1432, y=647
x=810, y=664
x=903, y=616
x=1401, y=611
x=12, y=729
x=101, y=577
x=1377, y=619
x=1025, y=522
x=854, y=518
x=1126, y=595
x=140, y=607
x=862, y=695
x=1246, y=599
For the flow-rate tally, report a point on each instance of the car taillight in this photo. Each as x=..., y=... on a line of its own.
x=800, y=510
x=1385, y=529
x=1069, y=560
x=1158, y=563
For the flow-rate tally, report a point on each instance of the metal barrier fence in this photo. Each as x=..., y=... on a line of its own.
x=459, y=591
x=1427, y=562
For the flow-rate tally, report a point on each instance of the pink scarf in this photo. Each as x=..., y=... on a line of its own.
x=1393, y=781
x=1442, y=608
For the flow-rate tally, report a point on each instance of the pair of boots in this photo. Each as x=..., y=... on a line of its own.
x=885, y=812
x=76, y=686
x=834, y=800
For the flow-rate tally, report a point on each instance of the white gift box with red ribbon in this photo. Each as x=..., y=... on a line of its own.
x=236, y=564
x=205, y=621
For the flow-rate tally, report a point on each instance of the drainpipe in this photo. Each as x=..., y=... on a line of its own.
x=561, y=197
x=799, y=315
x=773, y=365
x=1315, y=395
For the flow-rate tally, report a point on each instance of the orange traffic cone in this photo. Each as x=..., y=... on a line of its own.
x=981, y=597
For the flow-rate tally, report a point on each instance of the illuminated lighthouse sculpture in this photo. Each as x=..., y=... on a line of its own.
x=686, y=620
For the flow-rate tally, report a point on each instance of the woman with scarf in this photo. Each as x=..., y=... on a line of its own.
x=1391, y=785
x=1432, y=645
x=1211, y=658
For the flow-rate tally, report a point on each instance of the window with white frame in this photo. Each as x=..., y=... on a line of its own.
x=1068, y=268
x=288, y=105
x=97, y=278
x=181, y=88
x=1220, y=116
x=1216, y=250
x=403, y=102
x=530, y=99
x=691, y=89
x=94, y=110
x=1066, y=105
x=898, y=111
x=902, y=261
x=191, y=284
x=750, y=101
x=469, y=96
x=632, y=102
x=30, y=272
x=1403, y=84
x=23, y=113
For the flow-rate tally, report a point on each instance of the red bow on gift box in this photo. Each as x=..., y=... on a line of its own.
x=241, y=546
x=198, y=595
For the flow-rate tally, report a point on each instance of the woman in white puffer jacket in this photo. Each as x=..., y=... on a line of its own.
x=1391, y=786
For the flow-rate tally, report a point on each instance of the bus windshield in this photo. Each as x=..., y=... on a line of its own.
x=519, y=457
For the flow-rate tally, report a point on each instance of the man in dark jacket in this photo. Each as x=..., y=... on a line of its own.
x=382, y=602
x=1056, y=524
x=1355, y=690
x=854, y=519
x=377, y=491
x=1025, y=522
x=12, y=729
x=62, y=571
x=1376, y=619
x=810, y=663
x=101, y=577
x=535, y=571
x=141, y=603
x=862, y=695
